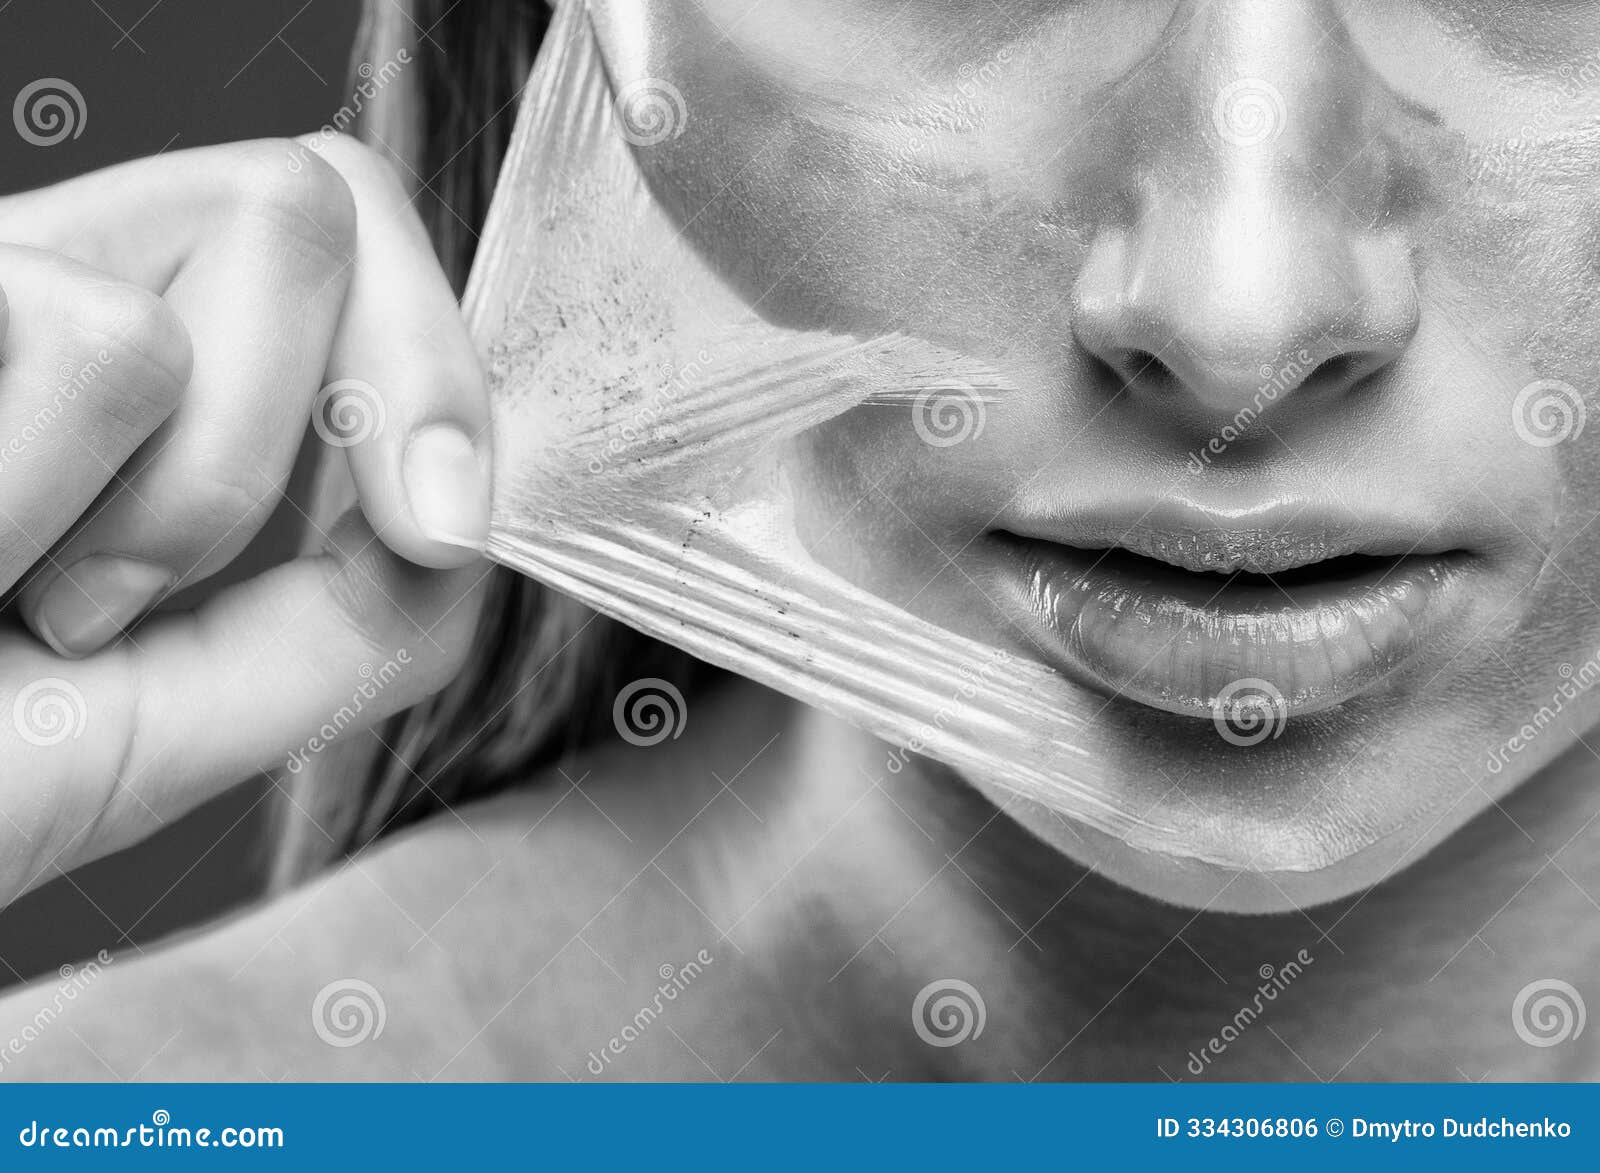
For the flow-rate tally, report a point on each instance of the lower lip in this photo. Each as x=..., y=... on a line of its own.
x=1204, y=645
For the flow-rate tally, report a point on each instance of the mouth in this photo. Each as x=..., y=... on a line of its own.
x=1234, y=619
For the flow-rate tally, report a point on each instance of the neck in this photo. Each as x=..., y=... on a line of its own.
x=1081, y=978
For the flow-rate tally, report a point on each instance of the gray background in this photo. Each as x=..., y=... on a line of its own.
x=160, y=75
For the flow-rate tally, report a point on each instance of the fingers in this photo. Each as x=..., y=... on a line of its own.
x=406, y=374
x=92, y=367
x=128, y=740
x=261, y=298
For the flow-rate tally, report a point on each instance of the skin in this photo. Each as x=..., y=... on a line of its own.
x=830, y=889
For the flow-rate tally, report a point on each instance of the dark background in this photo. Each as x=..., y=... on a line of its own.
x=160, y=75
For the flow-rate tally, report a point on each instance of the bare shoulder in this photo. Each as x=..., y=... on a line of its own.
x=514, y=938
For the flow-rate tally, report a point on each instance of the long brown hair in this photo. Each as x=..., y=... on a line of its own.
x=544, y=669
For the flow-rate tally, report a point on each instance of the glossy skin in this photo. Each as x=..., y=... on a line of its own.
x=1405, y=196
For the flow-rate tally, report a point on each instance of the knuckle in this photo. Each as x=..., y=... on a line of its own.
x=286, y=184
x=221, y=493
x=133, y=339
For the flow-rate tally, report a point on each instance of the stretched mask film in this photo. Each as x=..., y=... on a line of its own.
x=644, y=420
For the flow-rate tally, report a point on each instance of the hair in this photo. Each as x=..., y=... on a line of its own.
x=542, y=672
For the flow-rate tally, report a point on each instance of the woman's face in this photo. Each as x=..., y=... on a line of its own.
x=1297, y=302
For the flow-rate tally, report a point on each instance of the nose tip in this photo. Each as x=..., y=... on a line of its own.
x=1212, y=319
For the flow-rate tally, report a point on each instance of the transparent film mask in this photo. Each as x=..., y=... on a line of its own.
x=653, y=433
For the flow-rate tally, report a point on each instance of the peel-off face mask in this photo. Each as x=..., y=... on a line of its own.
x=1053, y=396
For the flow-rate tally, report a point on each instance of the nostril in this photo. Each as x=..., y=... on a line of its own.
x=1142, y=368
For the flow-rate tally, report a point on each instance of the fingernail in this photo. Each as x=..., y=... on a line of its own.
x=97, y=599
x=447, y=488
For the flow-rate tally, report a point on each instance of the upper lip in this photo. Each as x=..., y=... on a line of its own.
x=1266, y=539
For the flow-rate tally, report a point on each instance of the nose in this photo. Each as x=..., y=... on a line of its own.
x=1266, y=247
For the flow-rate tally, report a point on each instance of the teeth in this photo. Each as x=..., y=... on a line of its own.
x=1254, y=552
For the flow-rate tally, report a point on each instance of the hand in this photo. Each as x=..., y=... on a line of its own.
x=170, y=326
